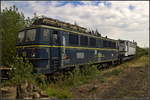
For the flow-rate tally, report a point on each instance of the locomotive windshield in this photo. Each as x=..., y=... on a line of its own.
x=27, y=35
x=30, y=35
x=45, y=35
x=21, y=36
x=38, y=35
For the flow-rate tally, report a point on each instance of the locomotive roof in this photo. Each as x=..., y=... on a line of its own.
x=51, y=21
x=60, y=25
x=56, y=28
x=133, y=42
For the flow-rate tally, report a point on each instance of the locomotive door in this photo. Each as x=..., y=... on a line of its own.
x=55, y=51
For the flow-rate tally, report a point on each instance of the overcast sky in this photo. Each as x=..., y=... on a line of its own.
x=128, y=20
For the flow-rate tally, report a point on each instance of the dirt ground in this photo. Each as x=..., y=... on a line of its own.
x=132, y=82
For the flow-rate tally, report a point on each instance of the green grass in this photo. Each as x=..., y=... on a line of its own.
x=58, y=93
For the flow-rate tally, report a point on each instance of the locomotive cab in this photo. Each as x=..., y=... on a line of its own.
x=35, y=44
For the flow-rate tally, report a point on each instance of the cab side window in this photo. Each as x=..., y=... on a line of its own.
x=73, y=39
x=45, y=35
x=83, y=40
x=55, y=37
x=92, y=42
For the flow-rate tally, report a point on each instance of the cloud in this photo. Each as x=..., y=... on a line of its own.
x=127, y=20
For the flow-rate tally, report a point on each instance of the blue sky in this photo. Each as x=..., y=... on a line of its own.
x=127, y=20
x=62, y=3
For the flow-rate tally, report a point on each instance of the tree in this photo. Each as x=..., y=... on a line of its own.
x=11, y=21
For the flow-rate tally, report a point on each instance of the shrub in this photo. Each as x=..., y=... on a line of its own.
x=22, y=70
x=21, y=73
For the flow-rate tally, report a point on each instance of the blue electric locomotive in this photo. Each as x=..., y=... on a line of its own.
x=52, y=45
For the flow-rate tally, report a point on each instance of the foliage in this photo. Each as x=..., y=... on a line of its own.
x=20, y=74
x=90, y=70
x=58, y=93
x=79, y=76
x=141, y=51
x=11, y=21
x=29, y=21
x=40, y=80
x=74, y=78
x=21, y=71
